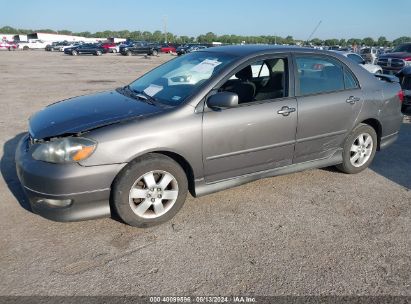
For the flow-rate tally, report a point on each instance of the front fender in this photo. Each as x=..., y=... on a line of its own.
x=178, y=132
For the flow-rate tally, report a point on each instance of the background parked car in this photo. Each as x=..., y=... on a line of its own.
x=32, y=45
x=58, y=46
x=369, y=54
x=372, y=68
x=405, y=80
x=167, y=48
x=110, y=47
x=70, y=45
x=195, y=48
x=395, y=61
x=138, y=48
x=182, y=49
x=88, y=48
x=8, y=45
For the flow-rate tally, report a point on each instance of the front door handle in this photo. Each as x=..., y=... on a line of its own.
x=285, y=111
x=352, y=99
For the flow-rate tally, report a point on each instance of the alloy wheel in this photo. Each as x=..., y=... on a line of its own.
x=153, y=194
x=361, y=150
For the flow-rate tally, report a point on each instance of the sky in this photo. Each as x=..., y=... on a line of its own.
x=298, y=18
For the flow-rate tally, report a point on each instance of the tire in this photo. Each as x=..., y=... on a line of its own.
x=25, y=48
x=114, y=51
x=357, y=154
x=143, y=208
x=128, y=53
x=74, y=53
x=154, y=53
x=98, y=53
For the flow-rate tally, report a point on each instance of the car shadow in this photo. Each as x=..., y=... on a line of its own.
x=9, y=173
x=394, y=162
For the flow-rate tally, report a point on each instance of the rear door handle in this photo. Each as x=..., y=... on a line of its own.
x=352, y=99
x=285, y=111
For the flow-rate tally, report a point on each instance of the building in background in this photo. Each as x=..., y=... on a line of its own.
x=49, y=37
x=6, y=37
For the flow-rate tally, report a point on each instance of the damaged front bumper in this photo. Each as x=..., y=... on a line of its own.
x=65, y=192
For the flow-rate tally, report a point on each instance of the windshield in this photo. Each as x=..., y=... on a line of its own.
x=403, y=48
x=174, y=81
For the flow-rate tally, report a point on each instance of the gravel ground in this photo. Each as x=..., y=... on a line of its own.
x=318, y=232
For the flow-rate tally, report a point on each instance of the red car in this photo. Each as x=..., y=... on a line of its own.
x=110, y=47
x=8, y=45
x=168, y=48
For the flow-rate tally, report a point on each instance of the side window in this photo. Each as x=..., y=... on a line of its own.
x=349, y=81
x=261, y=80
x=260, y=69
x=319, y=75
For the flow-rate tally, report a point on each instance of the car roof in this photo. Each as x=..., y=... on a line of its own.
x=255, y=49
x=346, y=53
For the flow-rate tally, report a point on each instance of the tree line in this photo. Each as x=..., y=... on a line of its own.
x=210, y=37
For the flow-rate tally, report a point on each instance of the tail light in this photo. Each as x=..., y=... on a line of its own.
x=401, y=95
x=407, y=61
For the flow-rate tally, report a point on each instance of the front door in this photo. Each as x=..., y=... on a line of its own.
x=257, y=135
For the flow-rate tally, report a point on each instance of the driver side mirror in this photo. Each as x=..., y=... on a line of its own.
x=223, y=100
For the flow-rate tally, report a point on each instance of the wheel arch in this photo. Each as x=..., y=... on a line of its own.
x=376, y=125
x=179, y=159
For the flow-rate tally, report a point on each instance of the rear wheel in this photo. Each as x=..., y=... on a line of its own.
x=149, y=191
x=359, y=149
x=98, y=53
x=154, y=53
x=114, y=51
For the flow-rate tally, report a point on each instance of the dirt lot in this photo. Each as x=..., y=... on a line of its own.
x=315, y=232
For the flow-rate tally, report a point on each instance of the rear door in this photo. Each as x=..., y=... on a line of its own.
x=329, y=100
x=257, y=135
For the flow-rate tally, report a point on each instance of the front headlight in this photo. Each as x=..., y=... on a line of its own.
x=65, y=150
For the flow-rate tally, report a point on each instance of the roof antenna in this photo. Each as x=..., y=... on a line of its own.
x=313, y=32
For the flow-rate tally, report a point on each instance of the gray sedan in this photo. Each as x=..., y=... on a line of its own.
x=204, y=122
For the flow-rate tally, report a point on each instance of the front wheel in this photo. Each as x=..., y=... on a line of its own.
x=149, y=191
x=98, y=53
x=359, y=149
x=154, y=53
x=74, y=53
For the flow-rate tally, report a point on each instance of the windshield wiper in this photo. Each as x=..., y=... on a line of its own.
x=142, y=96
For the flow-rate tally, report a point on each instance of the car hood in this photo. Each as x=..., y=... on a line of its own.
x=87, y=112
x=400, y=55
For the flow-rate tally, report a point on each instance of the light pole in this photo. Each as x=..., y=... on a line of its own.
x=165, y=28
